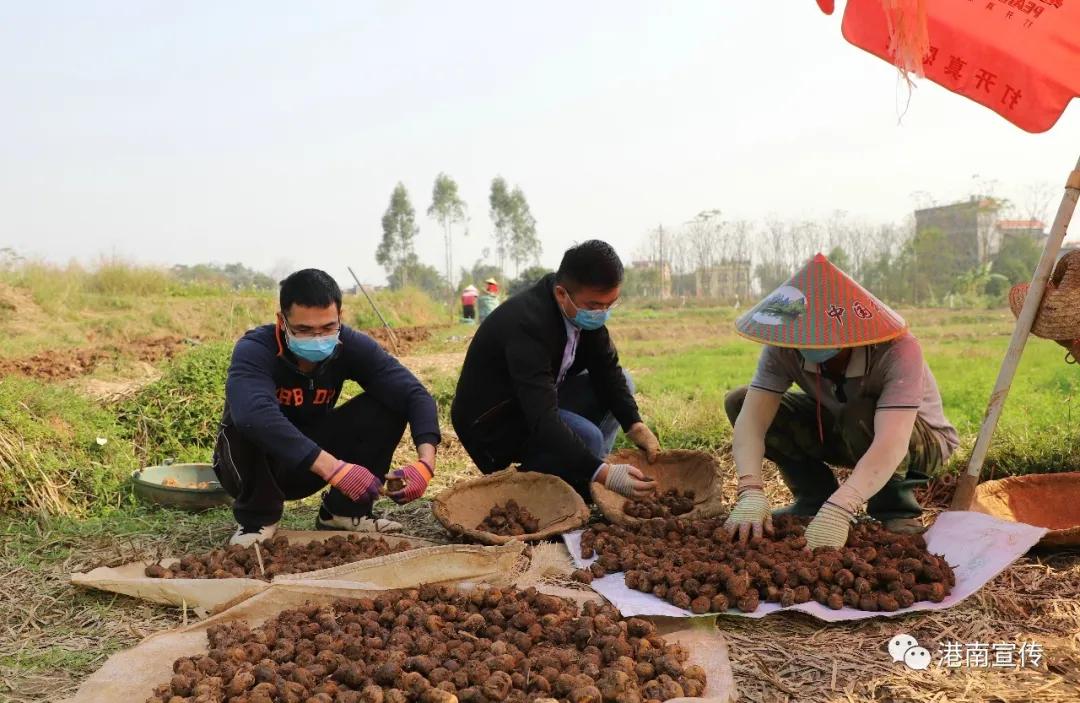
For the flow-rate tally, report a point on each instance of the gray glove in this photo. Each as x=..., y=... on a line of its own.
x=627, y=480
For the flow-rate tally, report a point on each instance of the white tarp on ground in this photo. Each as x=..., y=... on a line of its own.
x=977, y=546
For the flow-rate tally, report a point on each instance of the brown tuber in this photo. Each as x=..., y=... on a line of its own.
x=278, y=557
x=418, y=646
x=690, y=562
x=509, y=520
x=669, y=504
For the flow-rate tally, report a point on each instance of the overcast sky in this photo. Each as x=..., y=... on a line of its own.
x=272, y=133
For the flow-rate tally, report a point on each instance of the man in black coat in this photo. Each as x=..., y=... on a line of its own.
x=542, y=385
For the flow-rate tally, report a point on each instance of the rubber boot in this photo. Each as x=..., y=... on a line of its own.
x=811, y=483
x=895, y=504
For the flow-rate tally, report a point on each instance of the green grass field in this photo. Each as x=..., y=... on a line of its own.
x=683, y=363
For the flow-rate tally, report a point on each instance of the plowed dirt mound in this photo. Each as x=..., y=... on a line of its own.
x=58, y=365
x=407, y=338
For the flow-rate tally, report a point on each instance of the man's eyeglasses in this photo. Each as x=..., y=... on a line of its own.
x=592, y=308
x=305, y=332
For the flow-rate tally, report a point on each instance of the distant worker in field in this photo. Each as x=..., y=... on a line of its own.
x=468, y=302
x=489, y=299
x=867, y=401
x=282, y=438
x=542, y=384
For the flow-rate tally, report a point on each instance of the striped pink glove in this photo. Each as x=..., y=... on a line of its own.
x=356, y=482
x=416, y=477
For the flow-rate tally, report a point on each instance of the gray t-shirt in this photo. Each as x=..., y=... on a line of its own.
x=894, y=372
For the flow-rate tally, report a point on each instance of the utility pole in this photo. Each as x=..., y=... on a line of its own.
x=660, y=267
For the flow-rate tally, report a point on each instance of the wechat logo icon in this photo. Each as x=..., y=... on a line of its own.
x=905, y=648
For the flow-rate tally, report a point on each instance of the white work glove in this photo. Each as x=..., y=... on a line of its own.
x=751, y=512
x=832, y=524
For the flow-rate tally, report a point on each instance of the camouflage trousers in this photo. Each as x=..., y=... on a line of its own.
x=793, y=442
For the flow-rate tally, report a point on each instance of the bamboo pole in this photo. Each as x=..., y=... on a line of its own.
x=389, y=331
x=965, y=489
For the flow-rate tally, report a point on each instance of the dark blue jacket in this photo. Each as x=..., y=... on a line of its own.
x=270, y=400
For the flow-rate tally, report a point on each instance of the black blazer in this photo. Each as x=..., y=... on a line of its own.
x=506, y=397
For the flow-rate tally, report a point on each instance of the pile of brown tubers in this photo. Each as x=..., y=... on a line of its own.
x=509, y=520
x=278, y=557
x=694, y=565
x=671, y=503
x=437, y=644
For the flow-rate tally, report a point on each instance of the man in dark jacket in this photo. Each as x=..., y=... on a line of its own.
x=282, y=438
x=542, y=385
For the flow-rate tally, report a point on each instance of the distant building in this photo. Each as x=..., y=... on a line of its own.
x=655, y=278
x=970, y=228
x=1032, y=229
x=727, y=280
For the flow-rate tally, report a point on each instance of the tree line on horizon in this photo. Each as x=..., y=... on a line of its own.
x=514, y=236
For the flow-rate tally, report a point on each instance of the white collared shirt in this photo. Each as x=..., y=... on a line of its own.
x=573, y=335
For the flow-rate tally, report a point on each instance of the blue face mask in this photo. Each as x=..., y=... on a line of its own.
x=591, y=319
x=588, y=319
x=313, y=349
x=818, y=356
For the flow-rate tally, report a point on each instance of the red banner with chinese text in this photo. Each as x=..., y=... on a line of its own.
x=1020, y=58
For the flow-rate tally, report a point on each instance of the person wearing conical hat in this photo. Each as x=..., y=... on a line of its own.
x=866, y=400
x=468, y=302
x=489, y=299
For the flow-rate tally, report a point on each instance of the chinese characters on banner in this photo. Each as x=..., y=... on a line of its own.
x=1020, y=58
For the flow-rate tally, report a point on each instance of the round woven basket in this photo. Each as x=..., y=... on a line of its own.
x=1059, y=314
x=1044, y=500
x=463, y=506
x=681, y=469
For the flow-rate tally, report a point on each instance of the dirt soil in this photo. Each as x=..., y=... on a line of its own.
x=408, y=338
x=63, y=364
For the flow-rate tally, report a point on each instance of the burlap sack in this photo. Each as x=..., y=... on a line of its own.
x=463, y=506
x=1044, y=500
x=682, y=469
x=132, y=674
x=204, y=595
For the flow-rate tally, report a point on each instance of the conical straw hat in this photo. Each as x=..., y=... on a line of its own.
x=821, y=307
x=1059, y=313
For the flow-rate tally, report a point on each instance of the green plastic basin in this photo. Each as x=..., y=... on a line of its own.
x=183, y=491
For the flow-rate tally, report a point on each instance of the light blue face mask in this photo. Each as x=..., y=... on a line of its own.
x=588, y=319
x=313, y=349
x=818, y=356
x=591, y=319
